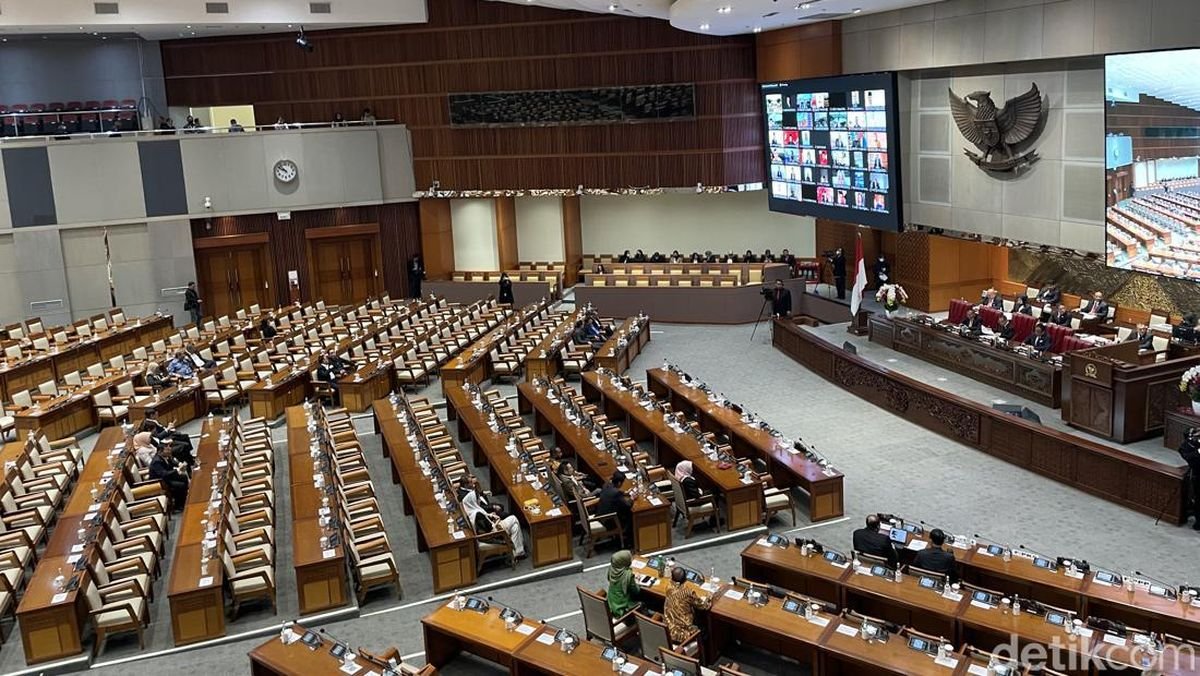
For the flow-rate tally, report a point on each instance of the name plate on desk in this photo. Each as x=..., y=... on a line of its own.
x=847, y=630
x=205, y=581
x=656, y=502
x=328, y=553
x=948, y=662
x=981, y=604
x=547, y=639
x=58, y=598
x=525, y=629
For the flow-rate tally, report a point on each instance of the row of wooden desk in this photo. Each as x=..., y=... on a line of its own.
x=474, y=365
x=549, y=524
x=452, y=555
x=628, y=340
x=276, y=658
x=545, y=359
x=321, y=578
x=53, y=622
x=196, y=593
x=34, y=369
x=958, y=618
x=787, y=466
x=743, y=501
x=651, y=514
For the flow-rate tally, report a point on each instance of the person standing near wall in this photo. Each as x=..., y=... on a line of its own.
x=506, y=292
x=416, y=272
x=191, y=303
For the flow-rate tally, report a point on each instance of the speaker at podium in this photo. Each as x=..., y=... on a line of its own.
x=1019, y=411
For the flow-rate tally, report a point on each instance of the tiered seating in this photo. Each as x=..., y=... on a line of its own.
x=507, y=356
x=72, y=117
x=441, y=337
x=552, y=277
x=372, y=563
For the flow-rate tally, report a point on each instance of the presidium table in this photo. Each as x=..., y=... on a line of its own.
x=1034, y=379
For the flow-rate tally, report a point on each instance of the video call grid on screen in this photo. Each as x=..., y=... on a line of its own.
x=832, y=148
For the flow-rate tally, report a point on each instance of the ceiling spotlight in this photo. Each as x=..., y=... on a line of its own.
x=703, y=26
x=856, y=10
x=758, y=29
x=303, y=43
x=724, y=9
x=613, y=7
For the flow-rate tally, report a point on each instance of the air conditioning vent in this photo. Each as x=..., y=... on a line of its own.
x=216, y=7
x=107, y=8
x=42, y=305
x=768, y=15
x=320, y=7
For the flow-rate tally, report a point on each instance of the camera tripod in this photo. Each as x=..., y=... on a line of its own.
x=761, y=313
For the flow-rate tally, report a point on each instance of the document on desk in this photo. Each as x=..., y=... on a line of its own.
x=458, y=535
x=917, y=545
x=1114, y=640
x=525, y=629
x=977, y=670
x=350, y=668
x=58, y=598
x=847, y=629
x=948, y=662
x=656, y=502
x=629, y=668
x=819, y=621
x=547, y=639
x=637, y=564
x=981, y=604
x=734, y=594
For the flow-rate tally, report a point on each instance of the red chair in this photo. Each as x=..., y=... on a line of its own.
x=75, y=106
x=958, y=310
x=108, y=121
x=1022, y=326
x=92, y=105
x=1058, y=336
x=990, y=317
x=71, y=121
x=126, y=121
x=37, y=108
x=129, y=104
x=56, y=106
x=110, y=104
x=1071, y=343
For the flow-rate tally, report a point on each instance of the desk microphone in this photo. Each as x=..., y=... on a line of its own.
x=513, y=612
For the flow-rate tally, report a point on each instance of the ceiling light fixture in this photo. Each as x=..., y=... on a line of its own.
x=724, y=9
x=612, y=7
x=856, y=10
x=303, y=43
x=703, y=26
x=758, y=29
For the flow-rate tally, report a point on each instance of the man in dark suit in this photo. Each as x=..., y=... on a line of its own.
x=1049, y=295
x=838, y=262
x=1096, y=306
x=165, y=469
x=869, y=540
x=990, y=298
x=1039, y=339
x=781, y=300
x=1060, y=316
x=191, y=303
x=1144, y=338
x=935, y=558
x=972, y=321
x=1005, y=328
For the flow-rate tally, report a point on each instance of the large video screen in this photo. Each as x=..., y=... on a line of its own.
x=833, y=148
x=1152, y=162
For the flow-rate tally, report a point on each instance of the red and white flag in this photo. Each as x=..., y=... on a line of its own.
x=860, y=278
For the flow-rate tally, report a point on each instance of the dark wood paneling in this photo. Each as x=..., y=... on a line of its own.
x=405, y=73
x=437, y=238
x=811, y=50
x=572, y=239
x=399, y=239
x=1132, y=119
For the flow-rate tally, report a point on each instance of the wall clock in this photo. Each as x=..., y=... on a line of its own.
x=286, y=171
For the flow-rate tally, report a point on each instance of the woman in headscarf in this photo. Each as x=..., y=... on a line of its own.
x=691, y=487
x=485, y=521
x=621, y=586
x=143, y=448
x=506, y=290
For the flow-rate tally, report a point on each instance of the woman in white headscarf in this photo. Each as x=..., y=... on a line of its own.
x=691, y=487
x=485, y=521
x=143, y=448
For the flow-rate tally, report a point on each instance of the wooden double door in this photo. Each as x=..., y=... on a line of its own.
x=234, y=273
x=345, y=263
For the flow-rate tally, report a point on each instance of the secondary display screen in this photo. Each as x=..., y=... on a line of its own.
x=833, y=148
x=1152, y=162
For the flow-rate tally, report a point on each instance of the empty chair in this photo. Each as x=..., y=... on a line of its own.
x=108, y=411
x=599, y=622
x=119, y=608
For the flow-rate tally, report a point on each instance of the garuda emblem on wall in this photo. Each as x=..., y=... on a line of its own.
x=1002, y=136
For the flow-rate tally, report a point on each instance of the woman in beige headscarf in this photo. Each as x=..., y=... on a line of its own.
x=143, y=448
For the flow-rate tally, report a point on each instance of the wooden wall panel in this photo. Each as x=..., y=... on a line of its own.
x=399, y=229
x=406, y=72
x=437, y=238
x=506, y=232
x=811, y=50
x=572, y=239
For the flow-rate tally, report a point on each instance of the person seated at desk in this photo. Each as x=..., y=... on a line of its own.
x=340, y=366
x=656, y=257
x=972, y=320
x=579, y=334
x=935, y=558
x=266, y=329
x=1096, y=306
x=767, y=257
x=729, y=257
x=695, y=257
x=676, y=257
x=484, y=519
x=613, y=500
x=1185, y=330
x=681, y=605
x=639, y=257
x=868, y=540
x=1049, y=295
x=181, y=366
x=1005, y=328
x=1039, y=339
x=155, y=378
x=575, y=483
x=144, y=449
x=789, y=260
x=178, y=443
x=198, y=360
x=1022, y=306
x=625, y=257
x=1059, y=316
x=684, y=474
x=173, y=476
x=622, y=588
x=749, y=257
x=1144, y=338
x=327, y=372
x=709, y=257
x=990, y=298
